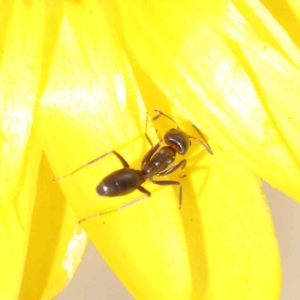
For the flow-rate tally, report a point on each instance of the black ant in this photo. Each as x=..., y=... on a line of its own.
x=156, y=162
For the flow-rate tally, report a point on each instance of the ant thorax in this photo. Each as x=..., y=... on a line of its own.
x=161, y=160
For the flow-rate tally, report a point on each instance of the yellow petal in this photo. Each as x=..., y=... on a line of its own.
x=21, y=39
x=56, y=243
x=287, y=14
x=220, y=245
x=78, y=87
x=20, y=153
x=15, y=225
x=19, y=80
x=230, y=73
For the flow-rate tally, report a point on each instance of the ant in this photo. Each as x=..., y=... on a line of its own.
x=156, y=162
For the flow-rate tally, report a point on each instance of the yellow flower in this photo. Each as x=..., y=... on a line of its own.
x=77, y=80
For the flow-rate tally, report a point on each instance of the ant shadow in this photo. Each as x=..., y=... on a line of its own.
x=193, y=228
x=192, y=219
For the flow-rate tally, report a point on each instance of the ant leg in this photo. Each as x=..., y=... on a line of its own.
x=122, y=160
x=146, y=129
x=205, y=143
x=160, y=113
x=148, y=139
x=140, y=188
x=153, y=149
x=169, y=182
x=173, y=168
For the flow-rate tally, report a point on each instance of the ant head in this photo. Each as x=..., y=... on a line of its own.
x=178, y=140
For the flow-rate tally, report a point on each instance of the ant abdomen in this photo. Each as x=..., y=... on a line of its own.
x=120, y=182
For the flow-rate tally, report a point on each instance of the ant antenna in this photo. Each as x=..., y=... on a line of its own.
x=205, y=143
x=146, y=130
x=160, y=113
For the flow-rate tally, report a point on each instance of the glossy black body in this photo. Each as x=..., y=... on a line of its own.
x=121, y=182
x=162, y=159
x=157, y=162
